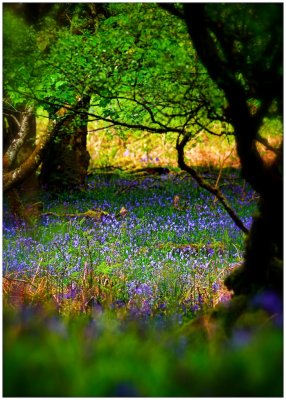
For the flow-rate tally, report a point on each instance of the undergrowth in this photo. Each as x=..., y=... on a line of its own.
x=104, y=306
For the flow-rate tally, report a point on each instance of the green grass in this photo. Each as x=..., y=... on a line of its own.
x=100, y=357
x=119, y=307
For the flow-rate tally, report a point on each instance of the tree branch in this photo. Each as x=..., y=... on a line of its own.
x=100, y=129
x=266, y=144
x=209, y=130
x=10, y=115
x=180, y=146
x=245, y=126
x=164, y=129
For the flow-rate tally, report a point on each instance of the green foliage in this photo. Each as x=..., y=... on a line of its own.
x=272, y=127
x=20, y=59
x=152, y=76
x=99, y=358
x=137, y=63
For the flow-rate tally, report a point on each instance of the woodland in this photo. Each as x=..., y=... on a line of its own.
x=142, y=235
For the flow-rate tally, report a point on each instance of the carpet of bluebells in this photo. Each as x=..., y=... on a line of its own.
x=154, y=258
x=100, y=299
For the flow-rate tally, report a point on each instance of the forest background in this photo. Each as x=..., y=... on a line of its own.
x=139, y=91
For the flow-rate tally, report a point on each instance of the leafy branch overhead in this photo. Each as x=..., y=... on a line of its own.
x=139, y=68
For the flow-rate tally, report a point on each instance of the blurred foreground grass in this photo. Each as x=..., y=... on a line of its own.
x=97, y=355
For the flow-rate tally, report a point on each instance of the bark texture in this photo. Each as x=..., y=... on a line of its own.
x=13, y=176
x=66, y=162
x=19, y=143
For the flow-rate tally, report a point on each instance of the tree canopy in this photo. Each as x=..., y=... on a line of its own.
x=137, y=63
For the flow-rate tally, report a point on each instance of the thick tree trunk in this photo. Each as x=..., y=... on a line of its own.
x=263, y=259
x=19, y=144
x=66, y=162
x=262, y=267
x=16, y=178
x=13, y=177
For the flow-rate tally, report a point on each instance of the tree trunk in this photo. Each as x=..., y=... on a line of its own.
x=66, y=162
x=262, y=267
x=263, y=258
x=18, y=145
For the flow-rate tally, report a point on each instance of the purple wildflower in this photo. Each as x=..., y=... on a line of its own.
x=73, y=291
x=215, y=287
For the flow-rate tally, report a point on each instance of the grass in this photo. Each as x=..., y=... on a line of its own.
x=153, y=244
x=108, y=307
x=136, y=150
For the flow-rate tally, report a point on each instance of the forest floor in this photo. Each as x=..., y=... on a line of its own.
x=109, y=292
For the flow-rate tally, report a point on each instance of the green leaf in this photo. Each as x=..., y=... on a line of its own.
x=59, y=84
x=104, y=102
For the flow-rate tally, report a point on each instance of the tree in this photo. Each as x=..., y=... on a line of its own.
x=241, y=47
x=149, y=78
x=17, y=174
x=140, y=71
x=19, y=122
x=66, y=162
x=21, y=156
x=28, y=68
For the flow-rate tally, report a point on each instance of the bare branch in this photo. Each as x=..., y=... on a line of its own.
x=204, y=184
x=13, y=117
x=164, y=129
x=209, y=130
x=266, y=144
x=100, y=129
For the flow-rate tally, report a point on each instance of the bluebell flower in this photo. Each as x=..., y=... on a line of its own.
x=143, y=290
x=215, y=287
x=72, y=292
